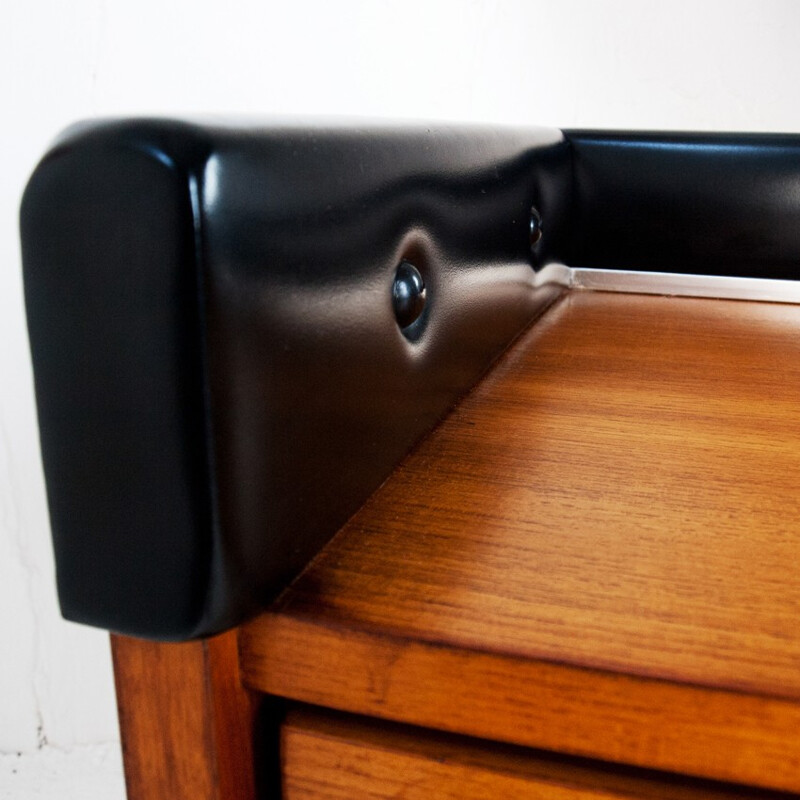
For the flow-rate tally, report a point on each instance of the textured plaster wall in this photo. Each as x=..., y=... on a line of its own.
x=627, y=63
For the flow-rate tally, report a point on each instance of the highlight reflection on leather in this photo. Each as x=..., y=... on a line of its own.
x=221, y=378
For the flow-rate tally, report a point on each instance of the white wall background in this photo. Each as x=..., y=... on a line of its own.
x=625, y=63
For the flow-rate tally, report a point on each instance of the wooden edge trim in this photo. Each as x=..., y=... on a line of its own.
x=705, y=732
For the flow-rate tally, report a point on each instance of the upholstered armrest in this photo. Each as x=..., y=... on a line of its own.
x=226, y=363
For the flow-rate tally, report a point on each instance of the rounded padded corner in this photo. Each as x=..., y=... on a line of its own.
x=113, y=304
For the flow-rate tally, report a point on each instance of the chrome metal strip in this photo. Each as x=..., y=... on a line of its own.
x=713, y=286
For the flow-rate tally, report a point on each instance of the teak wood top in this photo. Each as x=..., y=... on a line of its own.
x=596, y=552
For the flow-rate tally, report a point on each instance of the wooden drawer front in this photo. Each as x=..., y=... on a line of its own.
x=327, y=756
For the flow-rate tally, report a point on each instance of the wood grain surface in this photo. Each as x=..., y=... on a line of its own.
x=337, y=757
x=597, y=552
x=186, y=721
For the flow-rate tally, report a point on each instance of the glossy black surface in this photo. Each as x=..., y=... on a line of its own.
x=116, y=332
x=316, y=393
x=220, y=375
x=707, y=204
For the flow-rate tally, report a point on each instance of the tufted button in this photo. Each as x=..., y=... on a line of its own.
x=408, y=294
x=536, y=227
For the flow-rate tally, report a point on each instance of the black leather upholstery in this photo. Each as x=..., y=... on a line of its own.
x=220, y=376
x=707, y=204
